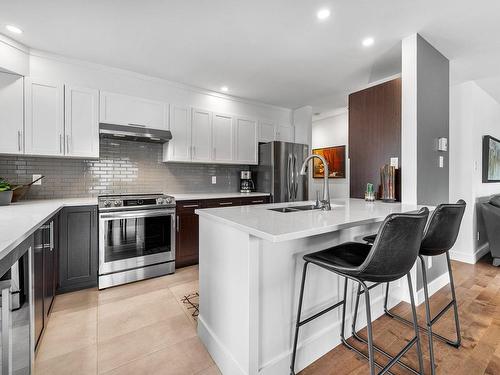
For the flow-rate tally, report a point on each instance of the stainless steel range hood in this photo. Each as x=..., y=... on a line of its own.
x=134, y=133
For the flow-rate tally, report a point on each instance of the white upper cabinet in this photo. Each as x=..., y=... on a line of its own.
x=179, y=147
x=44, y=129
x=246, y=141
x=133, y=111
x=266, y=131
x=222, y=138
x=201, y=135
x=11, y=114
x=285, y=133
x=81, y=122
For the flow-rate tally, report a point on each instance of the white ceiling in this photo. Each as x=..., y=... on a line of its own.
x=273, y=51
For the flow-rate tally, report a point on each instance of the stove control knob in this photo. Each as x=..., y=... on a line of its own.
x=169, y=200
x=117, y=203
x=107, y=203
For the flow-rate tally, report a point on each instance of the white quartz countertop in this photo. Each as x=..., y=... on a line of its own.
x=19, y=220
x=259, y=221
x=201, y=196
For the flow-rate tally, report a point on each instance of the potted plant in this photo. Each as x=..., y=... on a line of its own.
x=5, y=192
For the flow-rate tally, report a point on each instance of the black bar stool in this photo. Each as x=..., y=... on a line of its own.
x=440, y=236
x=391, y=257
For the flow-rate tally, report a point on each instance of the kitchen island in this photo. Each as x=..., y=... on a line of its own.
x=249, y=273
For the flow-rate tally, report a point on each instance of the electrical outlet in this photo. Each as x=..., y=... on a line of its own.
x=214, y=179
x=35, y=177
x=441, y=161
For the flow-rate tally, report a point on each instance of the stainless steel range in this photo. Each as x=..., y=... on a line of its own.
x=136, y=237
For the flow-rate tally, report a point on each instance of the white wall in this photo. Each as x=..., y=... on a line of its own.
x=54, y=68
x=473, y=113
x=302, y=121
x=327, y=132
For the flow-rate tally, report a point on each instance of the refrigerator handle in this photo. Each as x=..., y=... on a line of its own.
x=296, y=171
x=289, y=177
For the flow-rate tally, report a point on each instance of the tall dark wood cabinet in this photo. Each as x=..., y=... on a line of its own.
x=78, y=248
x=186, y=237
x=374, y=134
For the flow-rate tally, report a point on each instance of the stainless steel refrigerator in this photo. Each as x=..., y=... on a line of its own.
x=278, y=171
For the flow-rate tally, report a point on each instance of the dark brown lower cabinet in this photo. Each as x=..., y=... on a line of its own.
x=187, y=235
x=78, y=248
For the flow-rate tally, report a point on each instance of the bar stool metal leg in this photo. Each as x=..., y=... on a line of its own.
x=415, y=325
x=299, y=311
x=458, y=342
x=428, y=316
x=375, y=347
x=455, y=343
x=371, y=354
x=307, y=320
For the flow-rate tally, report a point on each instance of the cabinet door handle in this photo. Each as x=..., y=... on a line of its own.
x=19, y=137
x=194, y=151
x=177, y=223
x=60, y=143
x=51, y=235
x=214, y=153
x=6, y=329
x=140, y=125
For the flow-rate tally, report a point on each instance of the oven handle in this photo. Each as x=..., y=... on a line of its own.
x=136, y=214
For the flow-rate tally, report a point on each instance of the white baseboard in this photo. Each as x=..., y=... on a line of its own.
x=222, y=357
x=308, y=350
x=433, y=287
x=470, y=258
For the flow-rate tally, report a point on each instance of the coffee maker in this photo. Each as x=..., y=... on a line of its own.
x=246, y=183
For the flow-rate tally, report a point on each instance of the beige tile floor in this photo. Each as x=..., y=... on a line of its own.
x=140, y=328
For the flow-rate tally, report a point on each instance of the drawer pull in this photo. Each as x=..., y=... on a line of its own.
x=259, y=201
x=225, y=203
x=190, y=206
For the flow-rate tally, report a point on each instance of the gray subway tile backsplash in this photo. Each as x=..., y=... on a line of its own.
x=123, y=167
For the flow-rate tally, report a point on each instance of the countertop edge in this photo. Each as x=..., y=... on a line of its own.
x=206, y=196
x=19, y=240
x=289, y=236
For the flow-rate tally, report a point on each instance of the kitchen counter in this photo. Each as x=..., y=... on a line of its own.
x=21, y=219
x=250, y=268
x=273, y=226
x=202, y=196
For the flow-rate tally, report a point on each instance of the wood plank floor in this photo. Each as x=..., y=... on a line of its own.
x=478, y=294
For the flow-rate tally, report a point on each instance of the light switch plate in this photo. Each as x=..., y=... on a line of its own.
x=36, y=176
x=214, y=179
x=395, y=162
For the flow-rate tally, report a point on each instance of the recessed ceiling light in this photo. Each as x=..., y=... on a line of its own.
x=14, y=29
x=323, y=14
x=224, y=89
x=367, y=42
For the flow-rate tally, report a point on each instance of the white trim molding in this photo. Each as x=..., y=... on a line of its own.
x=470, y=258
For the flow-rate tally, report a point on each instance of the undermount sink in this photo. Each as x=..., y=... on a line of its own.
x=295, y=209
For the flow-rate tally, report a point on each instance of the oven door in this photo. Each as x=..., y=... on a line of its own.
x=135, y=239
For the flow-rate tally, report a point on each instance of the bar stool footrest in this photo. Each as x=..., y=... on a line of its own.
x=455, y=343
